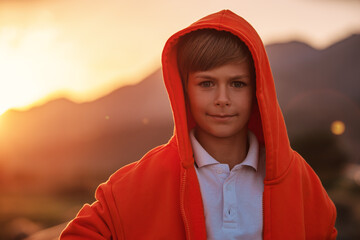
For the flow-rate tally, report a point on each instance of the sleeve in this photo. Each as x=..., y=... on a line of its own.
x=95, y=221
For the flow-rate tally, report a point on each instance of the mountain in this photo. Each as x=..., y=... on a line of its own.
x=91, y=140
x=298, y=67
x=60, y=119
x=62, y=136
x=317, y=87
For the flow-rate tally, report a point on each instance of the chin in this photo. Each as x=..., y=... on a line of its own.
x=224, y=133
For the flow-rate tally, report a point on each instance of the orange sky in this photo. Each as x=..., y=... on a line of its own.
x=83, y=49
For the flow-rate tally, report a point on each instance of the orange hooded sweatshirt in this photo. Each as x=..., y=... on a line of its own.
x=158, y=197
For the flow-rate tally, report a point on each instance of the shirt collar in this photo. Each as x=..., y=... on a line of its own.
x=203, y=158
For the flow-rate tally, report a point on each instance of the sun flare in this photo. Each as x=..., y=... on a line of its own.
x=33, y=63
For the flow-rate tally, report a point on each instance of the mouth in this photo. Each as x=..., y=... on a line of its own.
x=222, y=116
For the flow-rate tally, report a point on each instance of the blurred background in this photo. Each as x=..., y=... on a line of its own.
x=81, y=95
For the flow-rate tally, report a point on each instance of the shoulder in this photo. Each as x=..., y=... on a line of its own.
x=155, y=174
x=154, y=178
x=309, y=180
x=314, y=196
x=299, y=193
x=308, y=175
x=160, y=162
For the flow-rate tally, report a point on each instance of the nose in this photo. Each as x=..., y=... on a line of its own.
x=222, y=98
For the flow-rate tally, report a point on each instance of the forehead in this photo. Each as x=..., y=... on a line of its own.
x=229, y=70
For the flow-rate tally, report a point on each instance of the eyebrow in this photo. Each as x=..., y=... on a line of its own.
x=236, y=77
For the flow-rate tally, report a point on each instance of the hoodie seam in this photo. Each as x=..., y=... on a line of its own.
x=122, y=232
x=266, y=128
x=177, y=105
x=283, y=175
x=221, y=20
x=182, y=204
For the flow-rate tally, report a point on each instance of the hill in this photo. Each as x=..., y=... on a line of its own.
x=314, y=87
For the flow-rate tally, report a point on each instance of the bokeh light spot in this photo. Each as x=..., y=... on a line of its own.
x=338, y=127
x=357, y=177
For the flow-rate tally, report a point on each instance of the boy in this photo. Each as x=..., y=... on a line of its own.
x=228, y=172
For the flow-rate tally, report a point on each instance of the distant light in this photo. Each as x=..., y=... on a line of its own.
x=357, y=177
x=107, y=117
x=337, y=127
x=352, y=171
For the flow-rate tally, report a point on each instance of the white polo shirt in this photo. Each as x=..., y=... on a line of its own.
x=232, y=199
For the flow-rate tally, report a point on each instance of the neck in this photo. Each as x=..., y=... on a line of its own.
x=228, y=150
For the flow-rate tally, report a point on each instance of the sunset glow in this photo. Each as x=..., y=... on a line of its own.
x=84, y=50
x=29, y=59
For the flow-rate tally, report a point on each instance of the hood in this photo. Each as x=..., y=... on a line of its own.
x=266, y=121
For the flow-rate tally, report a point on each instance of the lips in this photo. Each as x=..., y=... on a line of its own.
x=222, y=116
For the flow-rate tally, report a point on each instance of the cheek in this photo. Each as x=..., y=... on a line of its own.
x=196, y=100
x=196, y=104
x=245, y=96
x=244, y=101
x=251, y=97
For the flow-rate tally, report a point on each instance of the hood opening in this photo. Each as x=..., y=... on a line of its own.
x=266, y=120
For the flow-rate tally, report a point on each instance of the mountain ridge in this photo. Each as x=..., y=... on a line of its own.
x=120, y=127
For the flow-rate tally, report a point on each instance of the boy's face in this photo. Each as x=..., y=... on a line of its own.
x=221, y=99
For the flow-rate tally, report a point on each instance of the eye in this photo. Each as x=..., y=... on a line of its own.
x=206, y=84
x=238, y=84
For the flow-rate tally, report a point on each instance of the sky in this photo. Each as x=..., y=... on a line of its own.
x=84, y=49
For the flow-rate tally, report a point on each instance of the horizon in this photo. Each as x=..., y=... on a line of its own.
x=49, y=52
x=69, y=97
